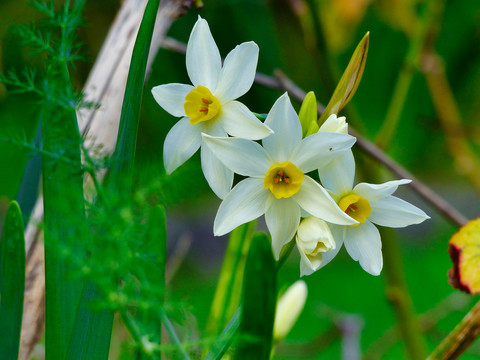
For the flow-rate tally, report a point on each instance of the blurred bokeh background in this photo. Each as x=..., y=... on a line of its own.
x=427, y=50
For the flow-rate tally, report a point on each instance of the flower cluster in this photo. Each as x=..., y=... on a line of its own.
x=276, y=169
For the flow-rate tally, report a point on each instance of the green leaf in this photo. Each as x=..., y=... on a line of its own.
x=308, y=114
x=123, y=158
x=259, y=299
x=64, y=216
x=91, y=336
x=93, y=328
x=12, y=282
x=349, y=81
x=229, y=288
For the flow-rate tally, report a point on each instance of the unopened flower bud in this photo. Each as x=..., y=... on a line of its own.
x=289, y=307
x=313, y=239
x=335, y=124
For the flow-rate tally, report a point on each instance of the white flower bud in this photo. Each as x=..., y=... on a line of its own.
x=313, y=239
x=289, y=307
x=335, y=124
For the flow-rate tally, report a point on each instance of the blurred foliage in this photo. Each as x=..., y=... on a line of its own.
x=284, y=31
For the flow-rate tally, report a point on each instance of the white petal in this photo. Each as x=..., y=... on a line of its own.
x=373, y=192
x=337, y=232
x=317, y=150
x=219, y=177
x=308, y=267
x=284, y=122
x=244, y=157
x=282, y=220
x=238, y=72
x=238, y=121
x=364, y=245
x=203, y=58
x=394, y=212
x=338, y=175
x=171, y=97
x=182, y=141
x=315, y=199
x=244, y=203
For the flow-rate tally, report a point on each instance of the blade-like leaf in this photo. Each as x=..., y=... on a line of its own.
x=12, y=282
x=92, y=330
x=349, y=81
x=64, y=216
x=96, y=326
x=259, y=299
x=123, y=158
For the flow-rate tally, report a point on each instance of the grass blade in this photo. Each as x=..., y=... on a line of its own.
x=226, y=338
x=12, y=282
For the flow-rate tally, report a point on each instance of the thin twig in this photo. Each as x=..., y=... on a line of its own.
x=460, y=338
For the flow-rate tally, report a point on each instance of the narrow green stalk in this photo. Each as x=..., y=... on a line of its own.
x=173, y=335
x=227, y=295
x=409, y=68
x=327, y=68
x=399, y=296
x=12, y=282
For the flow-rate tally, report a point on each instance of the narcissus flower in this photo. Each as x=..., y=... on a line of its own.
x=313, y=239
x=209, y=105
x=277, y=185
x=368, y=204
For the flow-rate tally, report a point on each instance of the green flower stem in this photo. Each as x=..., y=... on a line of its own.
x=410, y=66
x=227, y=295
x=285, y=253
x=399, y=296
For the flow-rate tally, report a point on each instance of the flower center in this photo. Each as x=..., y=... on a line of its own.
x=283, y=180
x=356, y=207
x=200, y=105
